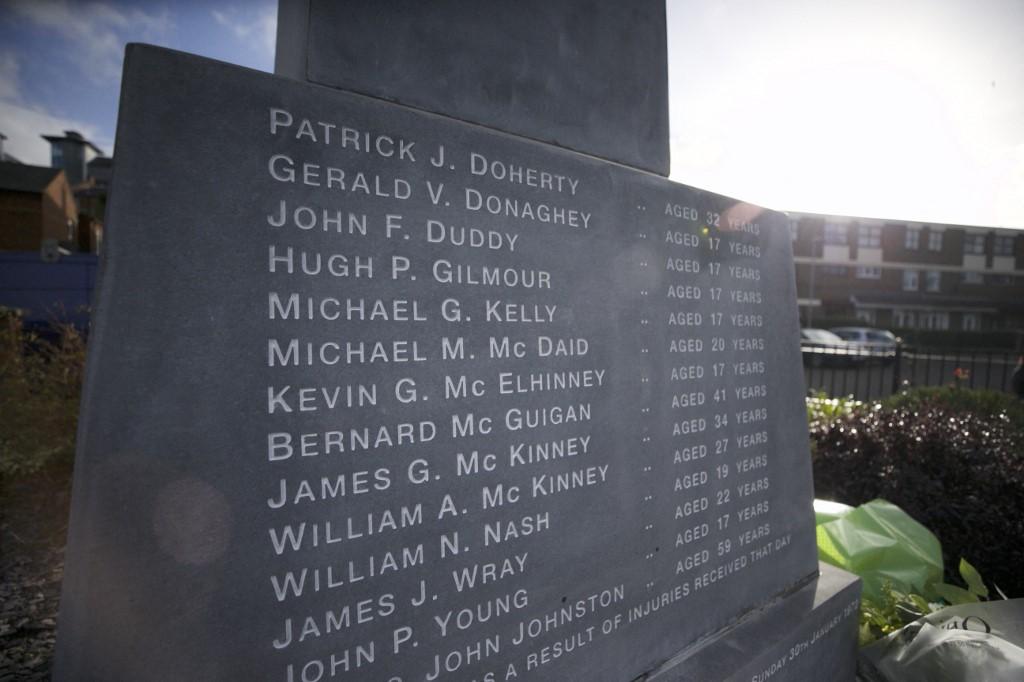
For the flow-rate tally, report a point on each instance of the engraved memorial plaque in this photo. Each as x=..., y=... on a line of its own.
x=378, y=395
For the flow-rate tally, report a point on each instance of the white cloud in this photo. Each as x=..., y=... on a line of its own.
x=8, y=75
x=838, y=108
x=23, y=125
x=259, y=26
x=1009, y=188
x=98, y=30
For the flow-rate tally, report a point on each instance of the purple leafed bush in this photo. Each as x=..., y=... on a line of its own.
x=952, y=459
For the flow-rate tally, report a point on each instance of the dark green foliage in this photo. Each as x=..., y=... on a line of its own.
x=40, y=386
x=951, y=458
x=977, y=401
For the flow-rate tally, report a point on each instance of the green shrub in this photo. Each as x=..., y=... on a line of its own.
x=978, y=401
x=894, y=609
x=951, y=458
x=820, y=407
x=40, y=387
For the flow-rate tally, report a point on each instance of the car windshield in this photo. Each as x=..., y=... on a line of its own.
x=820, y=336
x=881, y=336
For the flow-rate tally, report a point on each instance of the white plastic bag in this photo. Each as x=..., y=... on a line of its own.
x=970, y=642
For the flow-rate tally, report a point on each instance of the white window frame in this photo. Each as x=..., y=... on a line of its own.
x=934, y=240
x=911, y=280
x=869, y=236
x=932, y=280
x=935, y=320
x=970, y=322
x=836, y=233
x=973, y=277
x=1003, y=245
x=912, y=241
x=904, y=318
x=974, y=245
x=869, y=272
x=867, y=316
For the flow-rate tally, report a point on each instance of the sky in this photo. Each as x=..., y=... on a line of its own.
x=903, y=109
x=60, y=61
x=900, y=109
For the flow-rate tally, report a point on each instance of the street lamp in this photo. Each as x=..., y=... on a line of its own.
x=815, y=242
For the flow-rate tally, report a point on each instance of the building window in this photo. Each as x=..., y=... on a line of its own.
x=866, y=316
x=970, y=322
x=869, y=272
x=835, y=233
x=913, y=239
x=903, y=318
x=834, y=270
x=1003, y=245
x=932, y=280
x=794, y=229
x=869, y=236
x=972, y=277
x=934, y=241
x=974, y=244
x=999, y=280
x=910, y=280
x=934, y=320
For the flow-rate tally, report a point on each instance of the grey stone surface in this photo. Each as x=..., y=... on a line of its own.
x=237, y=448
x=810, y=634
x=582, y=74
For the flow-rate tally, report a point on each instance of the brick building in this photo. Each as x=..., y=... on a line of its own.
x=36, y=205
x=88, y=171
x=908, y=275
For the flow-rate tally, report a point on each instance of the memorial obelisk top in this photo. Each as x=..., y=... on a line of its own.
x=585, y=75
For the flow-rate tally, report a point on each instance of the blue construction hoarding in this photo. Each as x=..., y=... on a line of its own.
x=46, y=292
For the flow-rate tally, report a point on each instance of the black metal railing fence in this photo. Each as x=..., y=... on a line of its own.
x=868, y=373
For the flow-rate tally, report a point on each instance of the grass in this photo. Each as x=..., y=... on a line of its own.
x=40, y=388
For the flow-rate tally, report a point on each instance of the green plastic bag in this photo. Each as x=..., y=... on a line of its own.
x=879, y=541
x=824, y=510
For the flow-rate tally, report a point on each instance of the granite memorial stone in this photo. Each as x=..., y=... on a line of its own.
x=374, y=394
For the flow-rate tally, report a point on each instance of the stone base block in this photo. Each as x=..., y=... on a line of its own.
x=809, y=634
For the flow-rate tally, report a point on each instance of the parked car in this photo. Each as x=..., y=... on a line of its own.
x=821, y=347
x=875, y=343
